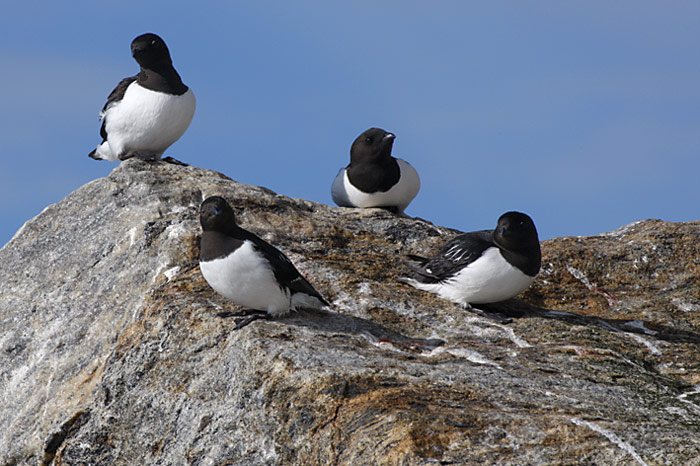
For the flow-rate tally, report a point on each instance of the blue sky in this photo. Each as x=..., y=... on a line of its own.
x=585, y=115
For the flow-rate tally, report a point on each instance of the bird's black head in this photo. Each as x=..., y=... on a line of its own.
x=373, y=145
x=516, y=231
x=150, y=52
x=216, y=215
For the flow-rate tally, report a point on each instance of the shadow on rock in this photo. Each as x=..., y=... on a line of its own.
x=516, y=309
x=333, y=322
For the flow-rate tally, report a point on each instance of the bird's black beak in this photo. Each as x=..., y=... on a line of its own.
x=136, y=49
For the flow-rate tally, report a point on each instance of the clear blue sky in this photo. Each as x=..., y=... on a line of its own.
x=586, y=115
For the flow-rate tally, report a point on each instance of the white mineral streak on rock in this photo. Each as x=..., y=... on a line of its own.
x=612, y=437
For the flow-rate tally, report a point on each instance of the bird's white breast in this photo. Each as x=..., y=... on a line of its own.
x=399, y=195
x=246, y=278
x=147, y=121
x=489, y=279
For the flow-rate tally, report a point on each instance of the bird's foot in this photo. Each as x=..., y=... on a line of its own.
x=393, y=209
x=173, y=161
x=242, y=322
x=248, y=316
x=244, y=312
x=145, y=156
x=495, y=316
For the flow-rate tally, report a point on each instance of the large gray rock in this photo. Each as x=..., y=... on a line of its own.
x=112, y=352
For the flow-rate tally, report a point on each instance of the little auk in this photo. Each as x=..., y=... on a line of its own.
x=145, y=114
x=484, y=266
x=374, y=178
x=247, y=270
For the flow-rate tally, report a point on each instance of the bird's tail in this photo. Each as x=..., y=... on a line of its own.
x=305, y=301
x=103, y=152
x=417, y=272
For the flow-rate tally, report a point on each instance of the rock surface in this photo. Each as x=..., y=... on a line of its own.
x=112, y=352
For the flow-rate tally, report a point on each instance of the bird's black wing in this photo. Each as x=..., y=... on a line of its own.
x=118, y=92
x=116, y=95
x=282, y=267
x=452, y=257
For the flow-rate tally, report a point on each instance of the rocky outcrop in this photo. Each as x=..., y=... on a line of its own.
x=113, y=352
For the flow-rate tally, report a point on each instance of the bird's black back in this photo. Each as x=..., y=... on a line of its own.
x=456, y=254
x=285, y=272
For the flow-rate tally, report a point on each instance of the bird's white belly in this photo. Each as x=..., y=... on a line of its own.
x=489, y=279
x=399, y=195
x=146, y=121
x=246, y=278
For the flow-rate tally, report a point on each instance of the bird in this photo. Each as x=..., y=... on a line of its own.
x=242, y=267
x=480, y=267
x=146, y=113
x=374, y=178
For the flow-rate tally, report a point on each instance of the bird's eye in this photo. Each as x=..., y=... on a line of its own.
x=368, y=139
x=153, y=42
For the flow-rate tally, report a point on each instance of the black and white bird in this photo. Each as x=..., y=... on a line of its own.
x=245, y=269
x=374, y=178
x=484, y=266
x=145, y=114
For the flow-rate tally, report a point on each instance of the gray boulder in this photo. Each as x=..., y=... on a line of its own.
x=112, y=351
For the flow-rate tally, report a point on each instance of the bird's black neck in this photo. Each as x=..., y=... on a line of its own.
x=529, y=259
x=216, y=245
x=165, y=79
x=375, y=175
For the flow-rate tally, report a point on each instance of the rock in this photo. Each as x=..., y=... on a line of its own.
x=112, y=351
